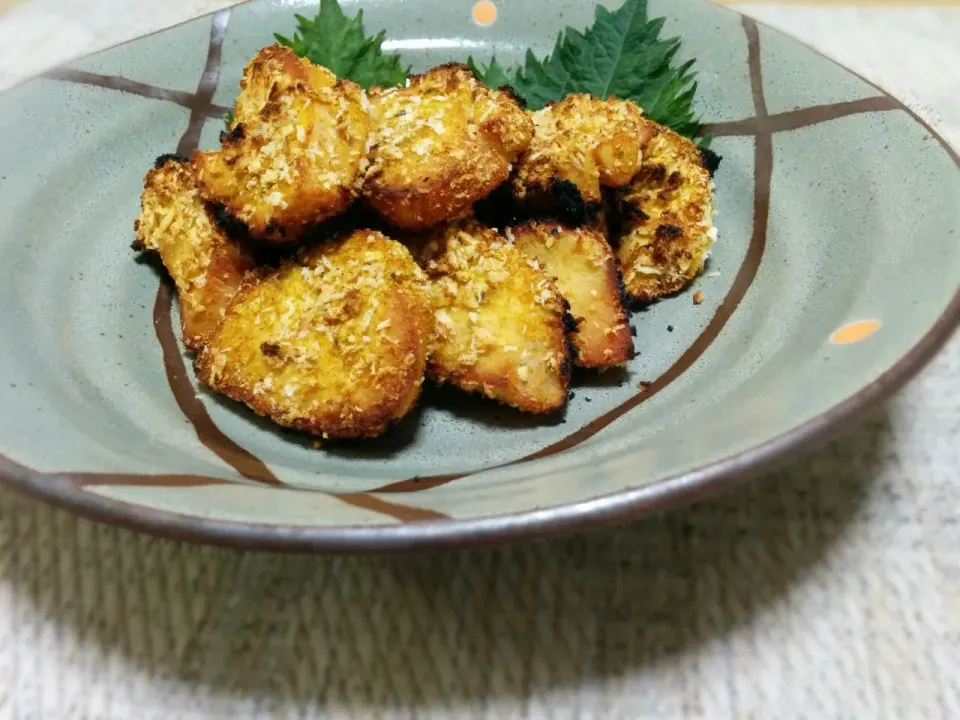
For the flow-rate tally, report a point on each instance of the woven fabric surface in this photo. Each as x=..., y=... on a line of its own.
x=829, y=589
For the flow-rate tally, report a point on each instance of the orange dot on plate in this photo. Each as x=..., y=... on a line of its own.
x=855, y=332
x=484, y=12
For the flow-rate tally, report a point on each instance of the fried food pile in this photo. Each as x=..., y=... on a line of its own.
x=342, y=245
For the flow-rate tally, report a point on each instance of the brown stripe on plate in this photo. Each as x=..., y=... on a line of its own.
x=801, y=118
x=131, y=87
x=9, y=466
x=403, y=513
x=120, y=84
x=200, y=105
x=364, y=501
x=754, y=63
x=127, y=480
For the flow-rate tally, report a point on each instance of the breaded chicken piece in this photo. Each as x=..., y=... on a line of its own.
x=580, y=145
x=501, y=322
x=588, y=277
x=207, y=267
x=275, y=66
x=294, y=165
x=441, y=144
x=334, y=345
x=667, y=226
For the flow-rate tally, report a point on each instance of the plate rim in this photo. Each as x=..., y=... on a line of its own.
x=704, y=481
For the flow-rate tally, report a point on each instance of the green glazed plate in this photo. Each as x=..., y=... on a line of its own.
x=834, y=280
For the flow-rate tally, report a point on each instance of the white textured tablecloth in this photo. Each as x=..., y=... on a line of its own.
x=830, y=590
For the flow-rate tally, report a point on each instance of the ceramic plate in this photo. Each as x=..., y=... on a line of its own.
x=833, y=281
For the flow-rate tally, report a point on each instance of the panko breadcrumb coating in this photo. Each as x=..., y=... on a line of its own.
x=501, y=323
x=588, y=277
x=206, y=266
x=401, y=267
x=275, y=66
x=441, y=144
x=334, y=345
x=580, y=144
x=295, y=164
x=667, y=226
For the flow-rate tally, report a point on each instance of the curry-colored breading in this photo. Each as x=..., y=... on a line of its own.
x=501, y=323
x=295, y=164
x=207, y=267
x=334, y=344
x=580, y=145
x=588, y=277
x=275, y=66
x=667, y=218
x=441, y=144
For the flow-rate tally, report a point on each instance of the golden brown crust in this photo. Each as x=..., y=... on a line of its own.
x=275, y=66
x=206, y=266
x=580, y=145
x=295, y=164
x=667, y=226
x=500, y=320
x=588, y=277
x=441, y=144
x=334, y=345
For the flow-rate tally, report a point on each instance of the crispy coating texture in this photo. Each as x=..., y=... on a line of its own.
x=442, y=144
x=667, y=226
x=206, y=266
x=580, y=145
x=588, y=277
x=334, y=345
x=501, y=322
x=294, y=165
x=275, y=66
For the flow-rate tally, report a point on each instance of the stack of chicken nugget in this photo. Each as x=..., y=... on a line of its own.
x=488, y=248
